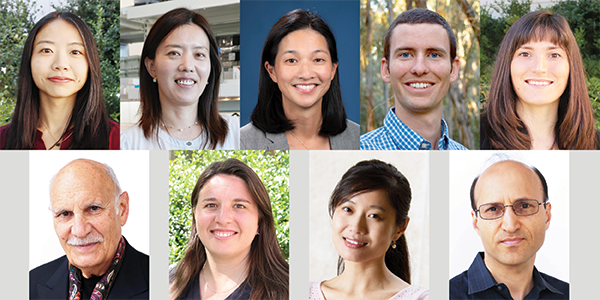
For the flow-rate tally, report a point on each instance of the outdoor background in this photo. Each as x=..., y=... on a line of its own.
x=17, y=18
x=461, y=104
x=186, y=166
x=584, y=19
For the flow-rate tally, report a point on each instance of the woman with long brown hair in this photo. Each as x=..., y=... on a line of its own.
x=538, y=96
x=232, y=251
x=60, y=104
x=369, y=211
x=179, y=89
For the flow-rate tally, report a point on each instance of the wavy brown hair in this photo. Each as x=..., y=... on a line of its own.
x=268, y=272
x=371, y=175
x=208, y=111
x=89, y=117
x=574, y=129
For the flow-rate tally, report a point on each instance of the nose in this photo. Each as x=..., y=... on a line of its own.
x=306, y=70
x=420, y=67
x=510, y=221
x=186, y=63
x=358, y=224
x=224, y=215
x=80, y=226
x=540, y=64
x=61, y=62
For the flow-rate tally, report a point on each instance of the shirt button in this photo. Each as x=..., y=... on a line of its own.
x=189, y=143
x=499, y=288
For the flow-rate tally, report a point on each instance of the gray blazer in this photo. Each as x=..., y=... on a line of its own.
x=252, y=138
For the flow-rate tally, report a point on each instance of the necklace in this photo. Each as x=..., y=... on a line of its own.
x=58, y=141
x=297, y=139
x=180, y=129
x=225, y=291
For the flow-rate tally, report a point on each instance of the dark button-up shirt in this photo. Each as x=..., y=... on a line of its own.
x=478, y=283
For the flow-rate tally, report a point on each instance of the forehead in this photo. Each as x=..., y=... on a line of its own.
x=506, y=182
x=80, y=183
x=186, y=35
x=372, y=199
x=419, y=36
x=58, y=29
x=225, y=187
x=303, y=38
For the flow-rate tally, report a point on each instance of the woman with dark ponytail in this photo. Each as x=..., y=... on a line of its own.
x=369, y=212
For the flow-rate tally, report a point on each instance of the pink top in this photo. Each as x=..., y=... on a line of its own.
x=410, y=293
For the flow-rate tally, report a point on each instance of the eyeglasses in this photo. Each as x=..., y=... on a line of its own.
x=492, y=211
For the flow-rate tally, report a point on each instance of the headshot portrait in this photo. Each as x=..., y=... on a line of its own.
x=299, y=92
x=179, y=80
x=88, y=231
x=229, y=225
x=509, y=225
x=541, y=75
x=59, y=99
x=368, y=225
x=420, y=77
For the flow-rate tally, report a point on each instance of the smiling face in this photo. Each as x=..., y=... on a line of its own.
x=510, y=240
x=181, y=65
x=226, y=217
x=539, y=73
x=85, y=217
x=59, y=66
x=303, y=69
x=419, y=69
x=364, y=226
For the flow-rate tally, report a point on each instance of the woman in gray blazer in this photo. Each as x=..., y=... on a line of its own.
x=299, y=97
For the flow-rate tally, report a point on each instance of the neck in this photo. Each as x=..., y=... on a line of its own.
x=307, y=122
x=54, y=113
x=222, y=274
x=179, y=116
x=428, y=124
x=518, y=278
x=540, y=122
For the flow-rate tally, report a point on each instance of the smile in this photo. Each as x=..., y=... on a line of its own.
x=420, y=85
x=223, y=234
x=305, y=87
x=538, y=82
x=512, y=241
x=352, y=243
x=185, y=82
x=60, y=79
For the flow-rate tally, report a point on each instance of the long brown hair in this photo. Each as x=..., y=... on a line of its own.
x=268, y=274
x=574, y=129
x=208, y=111
x=89, y=118
x=371, y=175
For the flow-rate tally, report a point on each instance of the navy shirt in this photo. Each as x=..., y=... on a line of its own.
x=478, y=283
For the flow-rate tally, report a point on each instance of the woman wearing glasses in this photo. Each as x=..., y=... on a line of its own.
x=369, y=211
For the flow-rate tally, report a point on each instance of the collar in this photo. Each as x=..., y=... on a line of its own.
x=480, y=278
x=406, y=138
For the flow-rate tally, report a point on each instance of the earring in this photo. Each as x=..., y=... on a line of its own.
x=154, y=79
x=257, y=233
x=393, y=244
x=207, y=82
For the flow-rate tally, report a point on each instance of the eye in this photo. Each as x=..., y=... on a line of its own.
x=319, y=60
x=434, y=55
x=94, y=208
x=374, y=216
x=524, y=205
x=239, y=206
x=173, y=53
x=346, y=209
x=63, y=214
x=77, y=52
x=210, y=205
x=555, y=55
x=404, y=55
x=45, y=50
x=525, y=54
x=492, y=209
x=291, y=60
x=201, y=55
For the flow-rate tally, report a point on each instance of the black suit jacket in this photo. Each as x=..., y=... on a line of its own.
x=51, y=281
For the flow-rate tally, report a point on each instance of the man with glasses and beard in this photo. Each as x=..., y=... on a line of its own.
x=511, y=214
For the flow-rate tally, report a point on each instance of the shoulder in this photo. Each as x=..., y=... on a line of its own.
x=252, y=138
x=134, y=139
x=314, y=291
x=597, y=139
x=133, y=280
x=454, y=145
x=556, y=283
x=412, y=292
x=347, y=139
x=114, y=139
x=47, y=269
x=232, y=141
x=459, y=286
x=47, y=274
x=373, y=140
x=3, y=133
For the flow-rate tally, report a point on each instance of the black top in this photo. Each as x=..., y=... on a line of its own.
x=478, y=283
x=192, y=291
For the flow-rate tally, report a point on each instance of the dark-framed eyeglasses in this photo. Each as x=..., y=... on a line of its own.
x=525, y=207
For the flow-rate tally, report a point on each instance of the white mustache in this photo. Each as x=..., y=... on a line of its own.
x=88, y=239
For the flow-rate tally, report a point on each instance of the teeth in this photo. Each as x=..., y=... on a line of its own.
x=305, y=87
x=354, y=242
x=420, y=85
x=185, y=82
x=532, y=82
x=223, y=233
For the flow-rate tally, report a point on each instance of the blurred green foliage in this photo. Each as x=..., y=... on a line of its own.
x=186, y=166
x=582, y=16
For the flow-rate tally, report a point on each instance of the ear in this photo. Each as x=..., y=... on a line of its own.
x=454, y=71
x=335, y=65
x=548, y=214
x=400, y=229
x=475, y=220
x=123, y=207
x=385, y=70
x=150, y=66
x=271, y=70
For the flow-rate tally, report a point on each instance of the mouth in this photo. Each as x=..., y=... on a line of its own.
x=60, y=79
x=185, y=82
x=420, y=85
x=305, y=88
x=85, y=247
x=352, y=243
x=512, y=241
x=539, y=82
x=223, y=234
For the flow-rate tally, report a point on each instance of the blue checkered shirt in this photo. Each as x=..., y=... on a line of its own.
x=478, y=283
x=394, y=135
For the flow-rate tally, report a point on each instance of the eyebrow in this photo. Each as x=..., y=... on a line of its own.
x=413, y=49
x=296, y=52
x=547, y=48
x=370, y=206
x=180, y=46
x=51, y=42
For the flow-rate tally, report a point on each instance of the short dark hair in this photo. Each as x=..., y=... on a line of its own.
x=419, y=16
x=539, y=174
x=268, y=114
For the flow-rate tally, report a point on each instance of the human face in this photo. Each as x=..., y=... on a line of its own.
x=364, y=227
x=419, y=69
x=539, y=73
x=303, y=69
x=510, y=240
x=181, y=65
x=59, y=66
x=226, y=217
x=85, y=217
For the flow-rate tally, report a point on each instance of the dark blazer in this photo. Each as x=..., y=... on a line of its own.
x=50, y=281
